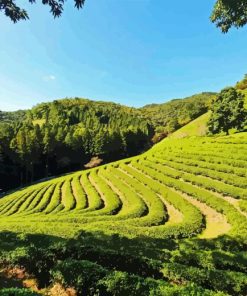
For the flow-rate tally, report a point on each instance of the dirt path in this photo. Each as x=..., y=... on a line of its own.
x=63, y=194
x=216, y=223
x=232, y=201
x=175, y=216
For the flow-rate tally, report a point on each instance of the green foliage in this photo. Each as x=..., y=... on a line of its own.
x=197, y=127
x=17, y=292
x=121, y=283
x=62, y=136
x=242, y=85
x=228, y=112
x=234, y=283
x=228, y=13
x=83, y=275
x=58, y=137
x=243, y=205
x=136, y=226
x=16, y=13
x=172, y=115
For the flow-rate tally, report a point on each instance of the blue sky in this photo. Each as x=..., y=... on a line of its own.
x=133, y=52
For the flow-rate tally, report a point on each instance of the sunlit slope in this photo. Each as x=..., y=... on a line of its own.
x=179, y=188
x=197, y=127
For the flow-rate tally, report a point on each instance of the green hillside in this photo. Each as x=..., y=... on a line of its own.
x=63, y=136
x=171, y=221
x=172, y=115
x=197, y=127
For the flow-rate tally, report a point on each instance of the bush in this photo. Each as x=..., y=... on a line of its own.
x=81, y=275
x=121, y=283
x=17, y=292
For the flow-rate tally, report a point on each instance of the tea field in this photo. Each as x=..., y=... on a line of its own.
x=172, y=221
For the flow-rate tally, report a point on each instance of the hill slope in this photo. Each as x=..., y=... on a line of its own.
x=172, y=115
x=197, y=127
x=176, y=213
x=63, y=135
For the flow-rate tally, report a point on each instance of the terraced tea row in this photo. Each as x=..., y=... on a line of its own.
x=139, y=191
x=183, y=191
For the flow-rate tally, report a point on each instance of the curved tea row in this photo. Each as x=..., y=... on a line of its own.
x=191, y=191
x=139, y=191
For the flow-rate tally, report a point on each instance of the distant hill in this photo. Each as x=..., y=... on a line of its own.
x=12, y=116
x=170, y=116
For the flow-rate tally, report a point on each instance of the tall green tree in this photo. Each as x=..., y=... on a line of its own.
x=35, y=148
x=20, y=145
x=229, y=13
x=48, y=144
x=16, y=13
x=227, y=112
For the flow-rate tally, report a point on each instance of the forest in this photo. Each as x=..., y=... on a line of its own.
x=64, y=135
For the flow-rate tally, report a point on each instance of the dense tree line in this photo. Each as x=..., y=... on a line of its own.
x=62, y=136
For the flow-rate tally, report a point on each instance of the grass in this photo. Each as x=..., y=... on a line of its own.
x=197, y=127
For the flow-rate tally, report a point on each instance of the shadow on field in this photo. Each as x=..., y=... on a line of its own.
x=39, y=254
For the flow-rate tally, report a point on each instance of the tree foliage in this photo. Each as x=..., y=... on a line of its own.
x=226, y=13
x=62, y=136
x=168, y=117
x=228, y=112
x=16, y=13
x=242, y=85
x=229, y=13
x=53, y=138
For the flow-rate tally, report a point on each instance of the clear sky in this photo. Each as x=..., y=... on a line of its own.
x=133, y=52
